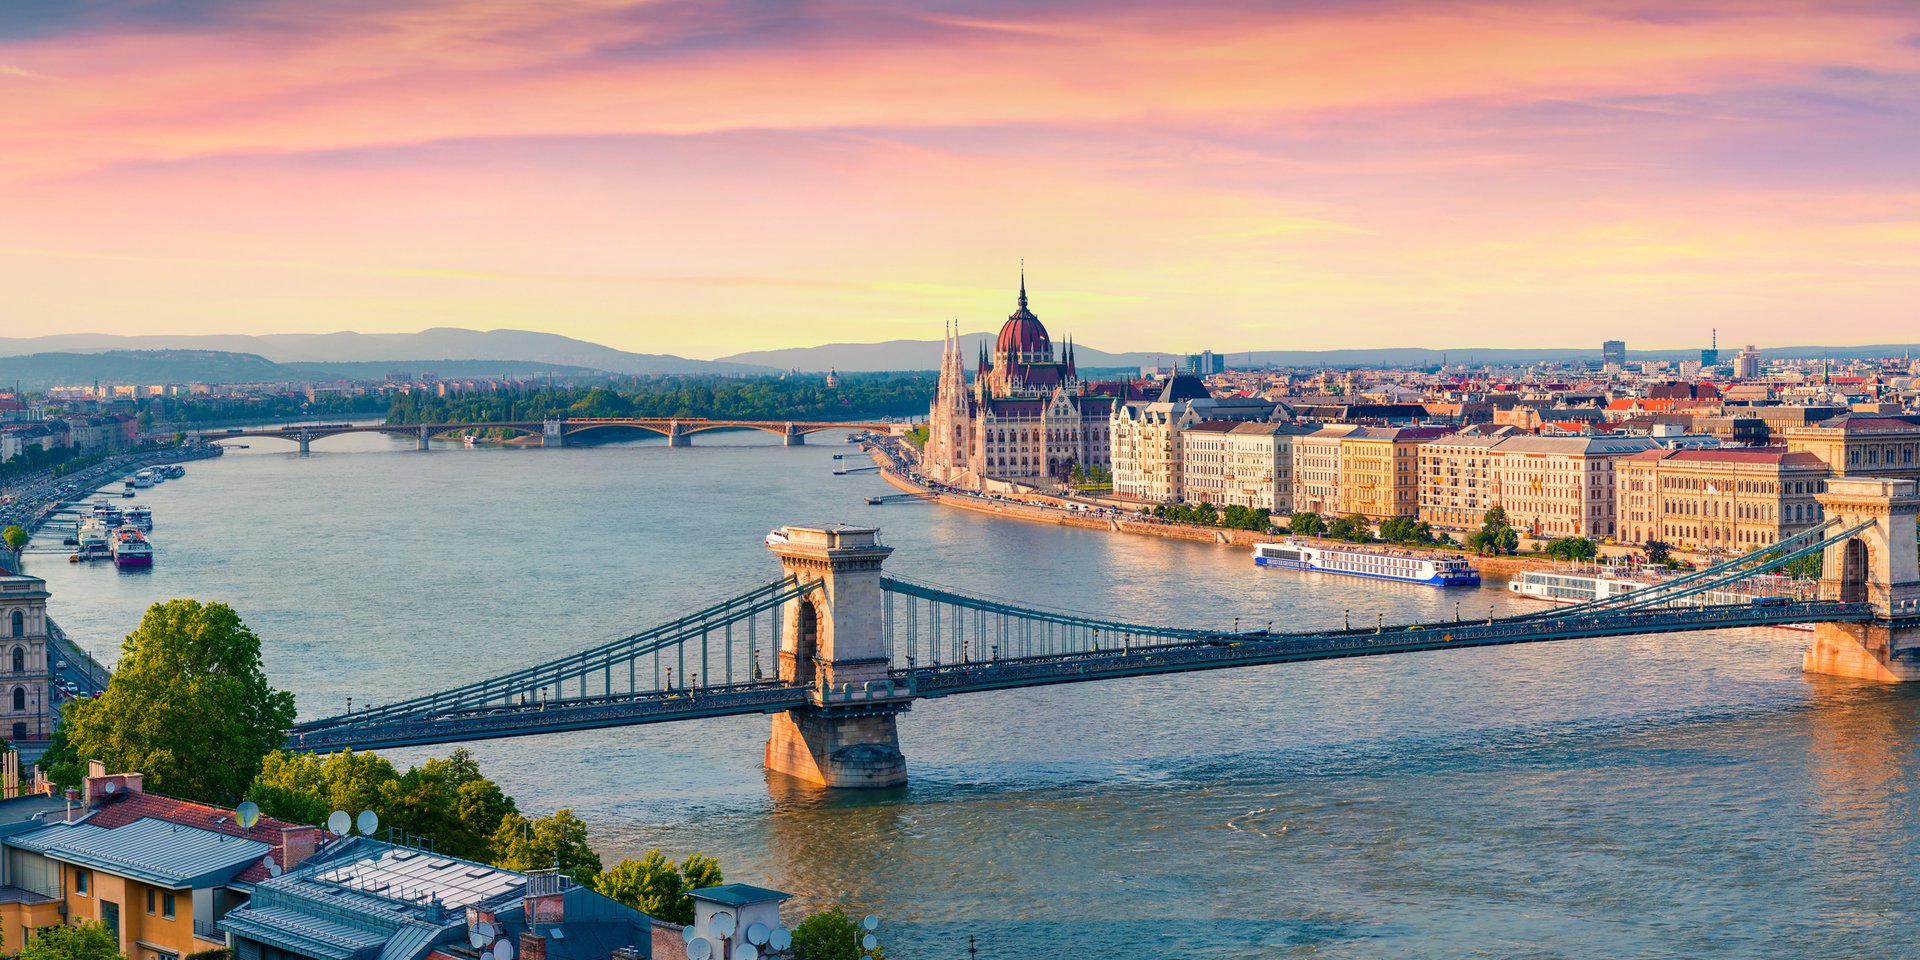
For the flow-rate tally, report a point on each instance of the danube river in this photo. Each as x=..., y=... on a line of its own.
x=1654, y=797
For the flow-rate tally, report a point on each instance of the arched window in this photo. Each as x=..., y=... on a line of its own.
x=19, y=624
x=19, y=659
x=19, y=731
x=19, y=698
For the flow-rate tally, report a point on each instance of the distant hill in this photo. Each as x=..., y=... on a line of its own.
x=925, y=355
x=39, y=371
x=449, y=342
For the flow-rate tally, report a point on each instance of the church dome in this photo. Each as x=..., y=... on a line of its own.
x=1022, y=334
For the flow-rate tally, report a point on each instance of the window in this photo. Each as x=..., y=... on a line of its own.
x=19, y=624
x=19, y=698
x=80, y=877
x=149, y=902
x=166, y=905
x=19, y=655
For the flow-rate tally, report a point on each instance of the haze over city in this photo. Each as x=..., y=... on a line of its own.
x=704, y=179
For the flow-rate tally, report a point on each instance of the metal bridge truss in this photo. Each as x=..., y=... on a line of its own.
x=714, y=661
x=944, y=642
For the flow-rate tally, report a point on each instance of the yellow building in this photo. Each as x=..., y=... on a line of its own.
x=1733, y=500
x=1379, y=470
x=159, y=872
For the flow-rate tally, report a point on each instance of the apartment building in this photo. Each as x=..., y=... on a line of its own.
x=1379, y=470
x=1145, y=437
x=160, y=873
x=1562, y=486
x=1727, y=499
x=1456, y=480
x=1229, y=463
x=1316, y=469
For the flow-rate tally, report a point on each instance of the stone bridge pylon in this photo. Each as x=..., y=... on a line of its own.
x=833, y=641
x=1878, y=566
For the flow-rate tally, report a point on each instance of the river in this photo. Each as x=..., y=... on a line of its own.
x=1692, y=795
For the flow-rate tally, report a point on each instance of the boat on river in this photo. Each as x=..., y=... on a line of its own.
x=1353, y=561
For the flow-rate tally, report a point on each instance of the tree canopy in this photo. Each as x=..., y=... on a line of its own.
x=832, y=935
x=1306, y=524
x=556, y=841
x=446, y=800
x=655, y=886
x=1572, y=548
x=87, y=940
x=1496, y=535
x=189, y=705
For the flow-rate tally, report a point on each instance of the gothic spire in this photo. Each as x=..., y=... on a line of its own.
x=1023, y=284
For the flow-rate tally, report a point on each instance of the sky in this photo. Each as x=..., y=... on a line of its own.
x=714, y=176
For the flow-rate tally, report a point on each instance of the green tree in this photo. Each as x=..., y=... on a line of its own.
x=15, y=538
x=446, y=800
x=1572, y=548
x=1495, y=535
x=1352, y=527
x=87, y=940
x=1658, y=552
x=189, y=705
x=1306, y=524
x=556, y=841
x=832, y=935
x=655, y=886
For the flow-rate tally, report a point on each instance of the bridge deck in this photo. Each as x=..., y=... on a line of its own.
x=1220, y=652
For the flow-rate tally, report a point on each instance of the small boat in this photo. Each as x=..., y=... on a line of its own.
x=145, y=479
x=778, y=537
x=173, y=471
x=468, y=439
x=139, y=516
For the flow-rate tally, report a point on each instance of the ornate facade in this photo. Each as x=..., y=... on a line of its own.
x=1027, y=417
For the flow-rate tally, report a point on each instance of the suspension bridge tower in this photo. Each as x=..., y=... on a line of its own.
x=1879, y=567
x=833, y=642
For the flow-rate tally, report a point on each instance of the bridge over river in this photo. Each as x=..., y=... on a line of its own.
x=835, y=649
x=679, y=431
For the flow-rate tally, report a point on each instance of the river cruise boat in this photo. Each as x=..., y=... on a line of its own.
x=1361, y=562
x=1569, y=586
x=138, y=516
x=172, y=471
x=131, y=548
x=145, y=479
x=127, y=489
x=92, y=538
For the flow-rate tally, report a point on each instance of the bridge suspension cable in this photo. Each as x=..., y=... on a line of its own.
x=700, y=650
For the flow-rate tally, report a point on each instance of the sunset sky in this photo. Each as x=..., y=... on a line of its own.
x=705, y=178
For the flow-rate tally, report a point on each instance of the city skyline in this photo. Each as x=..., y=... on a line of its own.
x=704, y=181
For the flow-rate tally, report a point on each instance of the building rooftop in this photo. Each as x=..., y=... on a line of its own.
x=152, y=851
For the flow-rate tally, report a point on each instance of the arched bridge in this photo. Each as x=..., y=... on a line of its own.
x=679, y=431
x=836, y=650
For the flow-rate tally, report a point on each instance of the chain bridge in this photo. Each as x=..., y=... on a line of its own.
x=835, y=649
x=679, y=431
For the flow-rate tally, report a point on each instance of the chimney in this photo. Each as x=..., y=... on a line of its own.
x=533, y=946
x=297, y=844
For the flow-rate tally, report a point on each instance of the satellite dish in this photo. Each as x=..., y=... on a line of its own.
x=249, y=814
x=757, y=933
x=745, y=951
x=780, y=939
x=273, y=869
x=109, y=787
x=368, y=822
x=338, y=823
x=699, y=948
x=869, y=941
x=870, y=923
x=721, y=924
x=486, y=929
x=477, y=938
x=503, y=950
x=687, y=934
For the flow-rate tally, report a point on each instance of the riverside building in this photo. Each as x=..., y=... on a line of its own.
x=1147, y=438
x=1239, y=464
x=1853, y=444
x=1727, y=499
x=1549, y=486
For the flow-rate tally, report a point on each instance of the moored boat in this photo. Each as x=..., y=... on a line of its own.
x=131, y=548
x=1354, y=561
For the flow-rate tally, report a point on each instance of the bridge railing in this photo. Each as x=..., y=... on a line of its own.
x=714, y=646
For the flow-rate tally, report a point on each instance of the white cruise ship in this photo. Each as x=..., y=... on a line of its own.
x=1357, y=561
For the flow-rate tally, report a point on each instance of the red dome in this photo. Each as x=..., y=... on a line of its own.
x=1023, y=333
